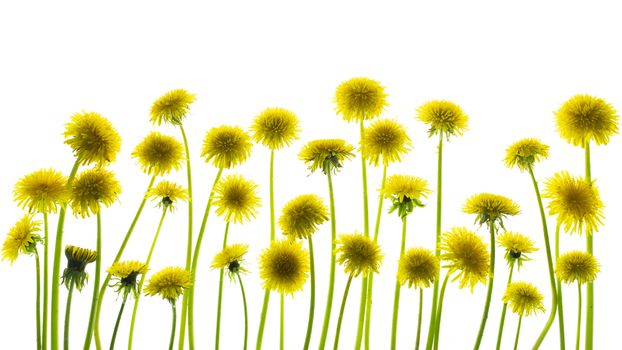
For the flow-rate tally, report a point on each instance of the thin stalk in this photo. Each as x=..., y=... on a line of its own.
x=419, y=319
x=343, y=306
x=331, y=280
x=520, y=320
x=437, y=330
x=116, y=325
x=245, y=311
x=38, y=309
x=396, y=297
x=362, y=307
x=364, y=281
x=282, y=324
x=312, y=301
x=262, y=318
x=589, y=314
x=44, y=335
x=578, y=346
x=170, y=344
x=98, y=266
x=505, y=309
x=560, y=302
x=68, y=316
x=219, y=308
x=491, y=277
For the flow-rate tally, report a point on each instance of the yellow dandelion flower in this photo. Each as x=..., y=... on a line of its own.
x=92, y=138
x=22, y=238
x=284, y=266
x=584, y=118
x=327, y=155
x=302, y=215
x=576, y=203
x=90, y=189
x=236, y=198
x=226, y=146
x=167, y=194
x=275, y=128
x=77, y=259
x=171, y=107
x=231, y=258
x=525, y=153
x=405, y=192
x=490, y=208
x=524, y=298
x=444, y=117
x=159, y=154
x=358, y=253
x=418, y=267
x=386, y=139
x=465, y=253
x=577, y=266
x=169, y=283
x=125, y=274
x=41, y=191
x=360, y=99
x=516, y=246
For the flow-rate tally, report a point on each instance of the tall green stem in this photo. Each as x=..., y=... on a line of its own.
x=262, y=318
x=172, y=341
x=589, y=314
x=312, y=301
x=245, y=312
x=505, y=309
x=98, y=266
x=331, y=281
x=419, y=317
x=219, y=308
x=396, y=297
x=560, y=301
x=520, y=320
x=578, y=346
x=364, y=281
x=343, y=306
x=437, y=326
x=68, y=316
x=38, y=309
x=116, y=324
x=46, y=239
x=491, y=277
x=282, y=324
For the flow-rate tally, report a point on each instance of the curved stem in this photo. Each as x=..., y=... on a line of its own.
x=38, y=309
x=282, y=324
x=219, y=308
x=245, y=312
x=419, y=319
x=396, y=297
x=437, y=330
x=589, y=314
x=505, y=309
x=312, y=301
x=172, y=341
x=560, y=301
x=46, y=239
x=578, y=346
x=520, y=320
x=98, y=266
x=262, y=318
x=68, y=316
x=343, y=306
x=491, y=277
x=364, y=281
x=116, y=324
x=331, y=280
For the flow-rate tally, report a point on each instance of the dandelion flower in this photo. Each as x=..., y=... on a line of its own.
x=77, y=259
x=22, y=238
x=226, y=146
x=231, y=259
x=575, y=201
x=275, y=128
x=302, y=216
x=584, y=118
x=525, y=153
x=444, y=117
x=41, y=191
x=125, y=273
x=516, y=246
x=92, y=188
x=360, y=99
x=171, y=107
x=418, y=267
x=327, y=155
x=236, y=198
x=167, y=194
x=159, y=154
x=284, y=266
x=577, y=266
x=465, y=253
x=92, y=138
x=490, y=208
x=524, y=298
x=358, y=253
x=406, y=193
x=386, y=139
x=169, y=283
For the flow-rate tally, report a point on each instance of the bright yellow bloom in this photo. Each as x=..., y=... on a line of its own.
x=171, y=107
x=41, y=191
x=490, y=208
x=576, y=203
x=577, y=266
x=167, y=194
x=284, y=266
x=22, y=238
x=327, y=155
x=465, y=253
x=444, y=117
x=125, y=273
x=302, y=216
x=231, y=258
x=516, y=246
x=358, y=253
x=169, y=283
x=226, y=146
x=360, y=99
x=159, y=154
x=275, y=128
x=584, y=118
x=90, y=189
x=92, y=138
x=405, y=192
x=77, y=259
x=386, y=139
x=236, y=198
x=524, y=298
x=525, y=153
x=418, y=267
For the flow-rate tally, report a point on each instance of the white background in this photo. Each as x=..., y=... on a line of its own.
x=508, y=66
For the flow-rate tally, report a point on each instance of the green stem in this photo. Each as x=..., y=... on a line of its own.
x=560, y=302
x=262, y=319
x=312, y=302
x=491, y=277
x=102, y=290
x=396, y=297
x=589, y=314
x=172, y=342
x=343, y=306
x=44, y=335
x=578, y=346
x=437, y=329
x=331, y=282
x=38, y=309
x=245, y=312
x=58, y=245
x=505, y=308
x=364, y=282
x=116, y=325
x=282, y=324
x=419, y=317
x=68, y=315
x=219, y=308
x=98, y=266
x=362, y=308
x=520, y=320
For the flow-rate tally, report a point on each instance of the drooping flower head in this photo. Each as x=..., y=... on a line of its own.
x=443, y=117
x=77, y=259
x=41, y=191
x=284, y=266
x=577, y=266
x=584, y=118
x=302, y=215
x=171, y=107
x=465, y=253
x=169, y=283
x=124, y=273
x=418, y=267
x=231, y=258
x=516, y=247
x=525, y=153
x=167, y=194
x=490, y=208
x=360, y=99
x=275, y=128
x=226, y=146
x=236, y=198
x=22, y=238
x=92, y=138
x=384, y=139
x=358, y=254
x=524, y=298
x=327, y=155
x=575, y=201
x=92, y=188
x=159, y=154
x=405, y=192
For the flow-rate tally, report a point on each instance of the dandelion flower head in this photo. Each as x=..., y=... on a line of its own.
x=516, y=247
x=124, y=273
x=327, y=155
x=231, y=258
x=92, y=138
x=22, y=238
x=405, y=192
x=169, y=283
x=360, y=99
x=302, y=215
x=167, y=194
x=226, y=146
x=418, y=267
x=90, y=189
x=525, y=153
x=490, y=208
x=159, y=154
x=275, y=128
x=465, y=253
x=358, y=254
x=524, y=298
x=577, y=266
x=443, y=117
x=77, y=259
x=236, y=198
x=171, y=107
x=284, y=266
x=385, y=140
x=41, y=191
x=584, y=118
